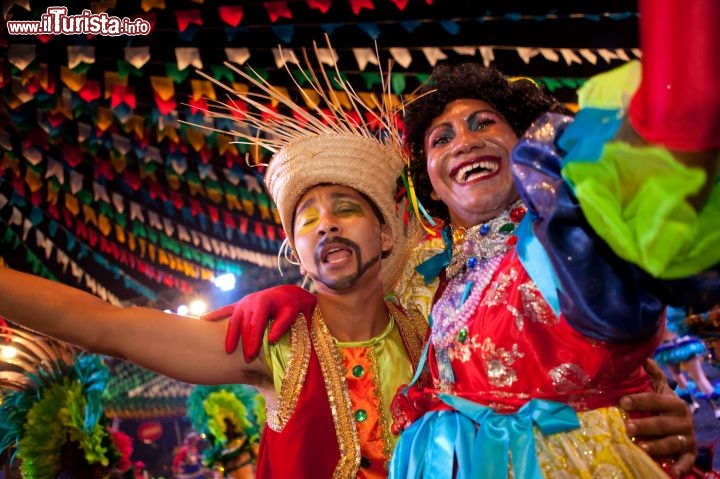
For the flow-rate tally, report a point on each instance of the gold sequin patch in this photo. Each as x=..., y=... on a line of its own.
x=413, y=329
x=331, y=364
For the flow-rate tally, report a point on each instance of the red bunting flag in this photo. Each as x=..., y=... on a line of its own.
x=132, y=180
x=186, y=17
x=195, y=207
x=198, y=106
x=151, y=18
x=36, y=138
x=270, y=114
x=238, y=108
x=165, y=107
x=277, y=10
x=176, y=199
x=213, y=213
x=90, y=91
x=401, y=4
x=71, y=154
x=228, y=220
x=56, y=119
x=322, y=5
x=232, y=15
x=156, y=191
x=103, y=170
x=123, y=94
x=358, y=5
x=259, y=230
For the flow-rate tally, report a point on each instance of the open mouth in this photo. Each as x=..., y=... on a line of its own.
x=476, y=170
x=335, y=254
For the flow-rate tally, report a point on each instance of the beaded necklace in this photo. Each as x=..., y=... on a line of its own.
x=484, y=240
x=476, y=254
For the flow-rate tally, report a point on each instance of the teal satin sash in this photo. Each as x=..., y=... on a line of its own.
x=473, y=441
x=504, y=437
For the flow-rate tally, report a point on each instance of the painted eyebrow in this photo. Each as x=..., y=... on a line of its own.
x=447, y=124
x=334, y=196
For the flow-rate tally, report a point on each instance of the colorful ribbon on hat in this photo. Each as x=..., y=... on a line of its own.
x=417, y=207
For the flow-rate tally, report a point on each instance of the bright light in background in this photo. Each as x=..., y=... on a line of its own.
x=183, y=310
x=198, y=307
x=8, y=352
x=225, y=282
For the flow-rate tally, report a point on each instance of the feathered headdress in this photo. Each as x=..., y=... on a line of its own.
x=359, y=147
x=231, y=417
x=51, y=407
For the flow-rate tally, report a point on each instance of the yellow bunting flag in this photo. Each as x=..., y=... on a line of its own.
x=71, y=204
x=163, y=86
x=148, y=5
x=202, y=89
x=104, y=118
x=113, y=79
x=74, y=81
x=311, y=97
x=281, y=92
x=195, y=137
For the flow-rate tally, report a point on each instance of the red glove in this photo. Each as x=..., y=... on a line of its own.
x=678, y=102
x=250, y=316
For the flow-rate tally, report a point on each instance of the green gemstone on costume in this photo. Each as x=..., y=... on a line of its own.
x=358, y=371
x=507, y=228
x=360, y=415
x=462, y=335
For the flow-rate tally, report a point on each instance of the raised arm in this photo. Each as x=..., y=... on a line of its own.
x=180, y=347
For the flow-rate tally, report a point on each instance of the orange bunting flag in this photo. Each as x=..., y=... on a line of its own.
x=102, y=6
x=195, y=137
x=72, y=80
x=202, y=89
x=281, y=92
x=148, y=5
x=163, y=87
x=104, y=118
x=112, y=79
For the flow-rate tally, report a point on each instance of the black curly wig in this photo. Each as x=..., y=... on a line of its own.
x=520, y=103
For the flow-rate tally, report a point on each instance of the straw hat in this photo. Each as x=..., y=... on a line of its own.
x=327, y=145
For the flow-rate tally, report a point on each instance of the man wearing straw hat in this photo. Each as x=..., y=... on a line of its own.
x=329, y=382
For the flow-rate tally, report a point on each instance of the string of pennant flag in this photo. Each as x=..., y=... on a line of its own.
x=105, y=172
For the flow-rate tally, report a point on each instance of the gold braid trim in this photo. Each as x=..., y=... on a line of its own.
x=331, y=364
x=294, y=378
x=413, y=329
x=384, y=426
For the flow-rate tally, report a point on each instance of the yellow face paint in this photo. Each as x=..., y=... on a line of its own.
x=340, y=207
x=306, y=220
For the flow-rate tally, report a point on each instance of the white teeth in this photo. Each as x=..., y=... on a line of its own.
x=488, y=166
x=329, y=252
